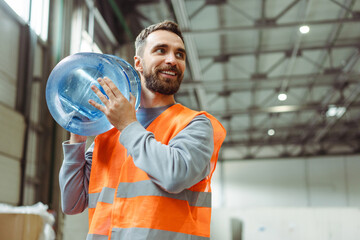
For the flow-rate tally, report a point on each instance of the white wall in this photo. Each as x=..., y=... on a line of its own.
x=76, y=226
x=288, y=223
x=280, y=186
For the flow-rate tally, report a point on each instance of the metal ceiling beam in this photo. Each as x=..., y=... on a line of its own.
x=192, y=53
x=346, y=8
x=243, y=13
x=246, y=84
x=281, y=141
x=107, y=31
x=276, y=109
x=269, y=24
x=286, y=9
x=304, y=11
x=348, y=101
x=320, y=62
x=197, y=11
x=140, y=2
x=295, y=128
x=354, y=43
x=331, y=40
x=351, y=62
x=273, y=109
x=121, y=19
x=285, y=157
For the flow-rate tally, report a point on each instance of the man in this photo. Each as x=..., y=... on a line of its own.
x=148, y=177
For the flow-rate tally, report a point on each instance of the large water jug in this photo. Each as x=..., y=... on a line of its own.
x=68, y=90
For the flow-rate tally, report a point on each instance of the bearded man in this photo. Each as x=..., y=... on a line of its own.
x=148, y=177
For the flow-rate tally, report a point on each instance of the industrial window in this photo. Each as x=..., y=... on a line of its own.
x=33, y=12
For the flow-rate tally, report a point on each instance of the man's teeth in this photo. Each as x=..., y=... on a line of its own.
x=168, y=72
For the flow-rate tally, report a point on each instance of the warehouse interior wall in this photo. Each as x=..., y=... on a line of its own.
x=310, y=198
x=12, y=137
x=31, y=142
x=28, y=134
x=255, y=199
x=23, y=113
x=312, y=182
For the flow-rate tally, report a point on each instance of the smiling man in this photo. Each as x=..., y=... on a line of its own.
x=148, y=177
x=172, y=72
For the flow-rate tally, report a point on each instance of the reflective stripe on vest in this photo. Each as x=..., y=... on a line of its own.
x=97, y=237
x=106, y=196
x=148, y=188
x=139, y=233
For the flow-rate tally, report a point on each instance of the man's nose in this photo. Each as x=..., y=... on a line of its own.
x=170, y=59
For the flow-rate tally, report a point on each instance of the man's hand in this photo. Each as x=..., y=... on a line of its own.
x=118, y=110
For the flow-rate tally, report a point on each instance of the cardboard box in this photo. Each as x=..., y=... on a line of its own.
x=18, y=226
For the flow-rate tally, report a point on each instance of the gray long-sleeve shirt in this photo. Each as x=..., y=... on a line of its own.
x=174, y=167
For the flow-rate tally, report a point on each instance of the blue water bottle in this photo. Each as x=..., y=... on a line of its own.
x=68, y=90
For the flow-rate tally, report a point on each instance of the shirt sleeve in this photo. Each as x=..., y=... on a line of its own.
x=74, y=177
x=182, y=163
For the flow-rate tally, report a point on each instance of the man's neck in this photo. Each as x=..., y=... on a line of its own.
x=151, y=99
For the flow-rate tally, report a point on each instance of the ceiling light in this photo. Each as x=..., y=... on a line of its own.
x=282, y=96
x=271, y=132
x=334, y=111
x=304, y=29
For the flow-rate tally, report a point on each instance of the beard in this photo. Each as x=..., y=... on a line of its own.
x=166, y=86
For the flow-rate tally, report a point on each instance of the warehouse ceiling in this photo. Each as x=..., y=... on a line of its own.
x=279, y=93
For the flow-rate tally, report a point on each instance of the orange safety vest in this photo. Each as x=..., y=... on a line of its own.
x=125, y=204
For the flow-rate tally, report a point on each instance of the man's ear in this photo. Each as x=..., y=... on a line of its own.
x=138, y=64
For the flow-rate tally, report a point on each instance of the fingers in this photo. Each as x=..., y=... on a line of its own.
x=110, y=88
x=112, y=92
x=106, y=88
x=97, y=105
x=118, y=110
x=113, y=87
x=100, y=95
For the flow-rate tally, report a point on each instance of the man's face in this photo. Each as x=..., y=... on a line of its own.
x=163, y=62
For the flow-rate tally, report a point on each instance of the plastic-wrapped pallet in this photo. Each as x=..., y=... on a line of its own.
x=26, y=222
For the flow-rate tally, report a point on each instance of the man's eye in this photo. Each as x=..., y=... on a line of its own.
x=180, y=55
x=160, y=50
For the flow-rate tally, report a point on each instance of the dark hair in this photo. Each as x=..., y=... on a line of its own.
x=165, y=25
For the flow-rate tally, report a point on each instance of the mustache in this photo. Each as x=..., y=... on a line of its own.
x=170, y=68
